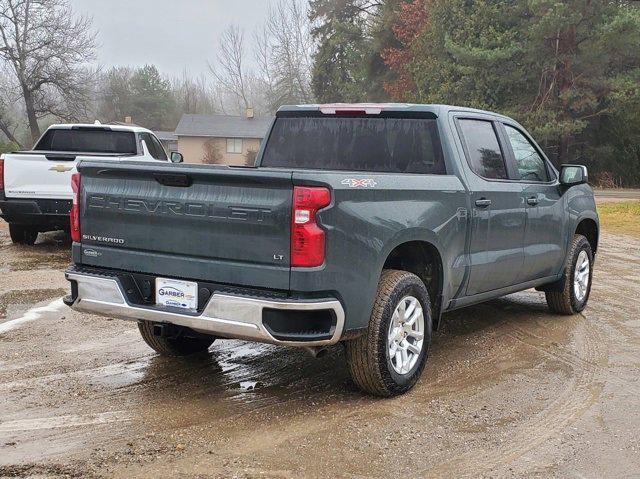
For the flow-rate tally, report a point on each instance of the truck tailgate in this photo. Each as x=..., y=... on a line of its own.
x=215, y=224
x=43, y=175
x=32, y=175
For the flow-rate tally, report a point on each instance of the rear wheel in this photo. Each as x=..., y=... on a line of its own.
x=576, y=285
x=23, y=234
x=390, y=357
x=181, y=341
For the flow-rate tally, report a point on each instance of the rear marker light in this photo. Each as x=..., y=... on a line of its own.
x=307, y=238
x=1, y=173
x=352, y=108
x=74, y=216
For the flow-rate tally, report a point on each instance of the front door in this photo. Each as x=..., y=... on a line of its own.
x=498, y=212
x=544, y=246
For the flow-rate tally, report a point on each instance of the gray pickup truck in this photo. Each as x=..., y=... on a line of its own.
x=359, y=224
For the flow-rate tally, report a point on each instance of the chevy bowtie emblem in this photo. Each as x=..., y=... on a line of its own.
x=61, y=168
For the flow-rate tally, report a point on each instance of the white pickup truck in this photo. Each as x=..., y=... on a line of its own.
x=35, y=186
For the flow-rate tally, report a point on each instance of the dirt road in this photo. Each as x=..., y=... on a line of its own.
x=509, y=391
x=615, y=195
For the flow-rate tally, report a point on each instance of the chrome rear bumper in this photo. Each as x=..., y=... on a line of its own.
x=224, y=315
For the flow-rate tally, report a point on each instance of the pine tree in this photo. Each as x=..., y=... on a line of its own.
x=153, y=101
x=339, y=73
x=567, y=70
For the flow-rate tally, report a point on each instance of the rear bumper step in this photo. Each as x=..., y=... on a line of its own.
x=225, y=315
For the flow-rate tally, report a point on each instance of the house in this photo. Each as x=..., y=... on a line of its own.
x=221, y=139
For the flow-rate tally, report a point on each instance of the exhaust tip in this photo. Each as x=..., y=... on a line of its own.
x=316, y=351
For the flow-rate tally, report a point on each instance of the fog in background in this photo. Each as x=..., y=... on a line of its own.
x=171, y=34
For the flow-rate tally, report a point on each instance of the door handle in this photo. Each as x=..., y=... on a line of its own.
x=533, y=201
x=483, y=202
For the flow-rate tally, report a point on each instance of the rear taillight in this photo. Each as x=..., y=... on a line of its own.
x=75, y=208
x=307, y=238
x=1, y=173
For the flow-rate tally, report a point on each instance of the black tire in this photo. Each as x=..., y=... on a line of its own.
x=564, y=300
x=20, y=234
x=184, y=343
x=368, y=355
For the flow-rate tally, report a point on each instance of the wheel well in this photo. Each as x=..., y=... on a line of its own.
x=589, y=229
x=422, y=259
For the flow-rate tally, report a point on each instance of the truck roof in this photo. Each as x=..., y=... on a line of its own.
x=377, y=108
x=69, y=126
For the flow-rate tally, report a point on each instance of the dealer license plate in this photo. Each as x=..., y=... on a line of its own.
x=176, y=293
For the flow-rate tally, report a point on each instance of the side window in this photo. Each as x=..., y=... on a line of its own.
x=485, y=156
x=531, y=166
x=151, y=146
x=161, y=155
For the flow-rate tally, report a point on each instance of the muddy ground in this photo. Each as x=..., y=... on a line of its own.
x=509, y=391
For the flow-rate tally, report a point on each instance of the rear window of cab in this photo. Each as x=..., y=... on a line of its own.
x=354, y=143
x=77, y=140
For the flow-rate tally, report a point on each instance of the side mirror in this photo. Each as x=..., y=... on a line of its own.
x=176, y=157
x=571, y=175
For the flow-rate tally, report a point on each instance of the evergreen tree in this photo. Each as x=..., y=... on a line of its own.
x=141, y=94
x=383, y=38
x=339, y=72
x=567, y=70
x=153, y=101
x=352, y=36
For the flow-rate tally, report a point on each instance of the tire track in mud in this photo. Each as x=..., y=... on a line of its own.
x=582, y=391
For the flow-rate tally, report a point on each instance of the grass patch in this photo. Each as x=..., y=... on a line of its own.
x=620, y=217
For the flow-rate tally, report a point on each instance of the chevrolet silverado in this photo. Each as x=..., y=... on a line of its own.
x=359, y=224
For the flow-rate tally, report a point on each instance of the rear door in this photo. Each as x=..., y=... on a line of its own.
x=498, y=215
x=196, y=222
x=544, y=246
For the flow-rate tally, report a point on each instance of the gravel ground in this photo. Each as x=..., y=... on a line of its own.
x=509, y=391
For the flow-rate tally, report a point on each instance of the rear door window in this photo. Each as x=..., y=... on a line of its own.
x=483, y=149
x=88, y=141
x=399, y=145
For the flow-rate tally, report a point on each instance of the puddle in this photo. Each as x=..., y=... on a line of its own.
x=18, y=301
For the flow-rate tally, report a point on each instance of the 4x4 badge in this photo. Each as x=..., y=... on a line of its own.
x=359, y=182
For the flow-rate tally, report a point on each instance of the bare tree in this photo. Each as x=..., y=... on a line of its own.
x=229, y=69
x=194, y=95
x=211, y=153
x=282, y=53
x=284, y=49
x=7, y=116
x=7, y=127
x=48, y=48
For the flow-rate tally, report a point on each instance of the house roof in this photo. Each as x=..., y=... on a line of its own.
x=225, y=126
x=166, y=135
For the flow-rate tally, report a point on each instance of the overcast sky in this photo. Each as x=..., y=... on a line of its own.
x=172, y=34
